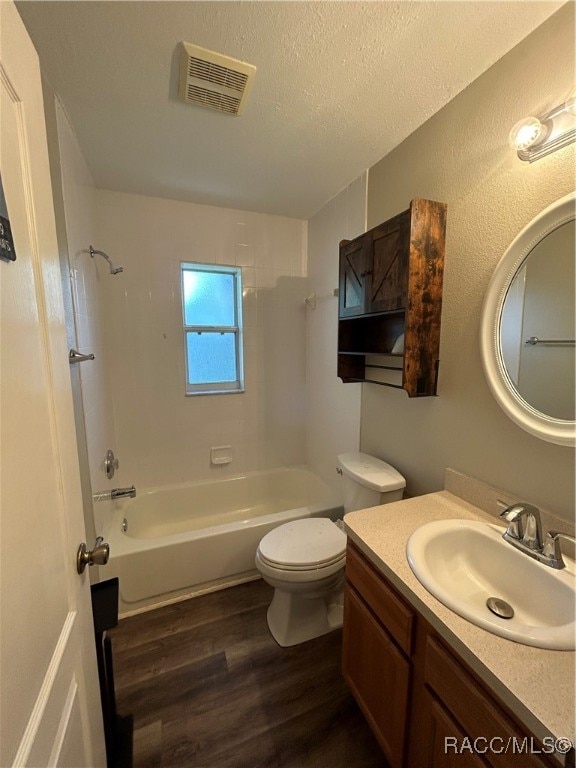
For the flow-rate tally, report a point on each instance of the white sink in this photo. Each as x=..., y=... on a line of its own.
x=463, y=563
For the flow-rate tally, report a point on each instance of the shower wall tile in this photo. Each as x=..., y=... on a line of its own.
x=163, y=436
x=244, y=254
x=90, y=280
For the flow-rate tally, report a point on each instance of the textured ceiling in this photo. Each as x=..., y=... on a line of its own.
x=338, y=85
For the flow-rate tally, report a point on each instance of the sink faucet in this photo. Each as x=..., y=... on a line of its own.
x=525, y=533
x=525, y=529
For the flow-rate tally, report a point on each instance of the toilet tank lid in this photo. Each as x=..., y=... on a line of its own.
x=371, y=472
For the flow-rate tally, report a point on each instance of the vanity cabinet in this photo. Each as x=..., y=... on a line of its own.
x=453, y=710
x=390, y=285
x=377, y=640
x=425, y=706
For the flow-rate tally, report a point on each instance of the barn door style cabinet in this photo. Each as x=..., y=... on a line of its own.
x=390, y=301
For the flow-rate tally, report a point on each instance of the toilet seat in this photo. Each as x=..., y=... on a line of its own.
x=339, y=561
x=303, y=545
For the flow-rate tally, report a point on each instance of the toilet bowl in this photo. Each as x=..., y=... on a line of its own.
x=304, y=560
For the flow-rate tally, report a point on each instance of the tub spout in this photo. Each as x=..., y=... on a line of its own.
x=115, y=493
x=123, y=493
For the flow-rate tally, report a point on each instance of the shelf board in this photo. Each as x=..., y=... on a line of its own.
x=387, y=313
x=373, y=381
x=372, y=354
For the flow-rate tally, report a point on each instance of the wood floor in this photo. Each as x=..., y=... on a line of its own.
x=209, y=688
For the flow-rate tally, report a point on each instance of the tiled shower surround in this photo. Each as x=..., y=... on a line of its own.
x=294, y=410
x=162, y=436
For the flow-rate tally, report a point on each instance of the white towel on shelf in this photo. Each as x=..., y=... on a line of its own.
x=398, y=348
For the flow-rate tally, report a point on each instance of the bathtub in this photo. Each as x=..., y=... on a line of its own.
x=183, y=540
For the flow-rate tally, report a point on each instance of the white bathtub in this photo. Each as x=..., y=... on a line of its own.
x=183, y=540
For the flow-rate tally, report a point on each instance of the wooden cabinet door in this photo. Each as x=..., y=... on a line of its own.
x=378, y=675
x=503, y=741
x=354, y=269
x=438, y=741
x=387, y=288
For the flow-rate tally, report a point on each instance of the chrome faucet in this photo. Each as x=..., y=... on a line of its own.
x=123, y=493
x=525, y=528
x=115, y=493
x=525, y=533
x=551, y=549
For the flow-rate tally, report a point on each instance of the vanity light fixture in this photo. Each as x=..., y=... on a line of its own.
x=535, y=137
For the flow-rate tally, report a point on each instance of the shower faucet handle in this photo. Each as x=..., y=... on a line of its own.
x=111, y=464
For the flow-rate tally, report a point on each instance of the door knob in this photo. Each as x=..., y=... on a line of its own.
x=99, y=555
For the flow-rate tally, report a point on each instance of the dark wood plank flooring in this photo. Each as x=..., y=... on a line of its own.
x=209, y=688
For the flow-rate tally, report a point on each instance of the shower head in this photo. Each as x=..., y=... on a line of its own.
x=113, y=270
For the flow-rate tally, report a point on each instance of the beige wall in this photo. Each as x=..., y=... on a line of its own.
x=461, y=157
x=332, y=408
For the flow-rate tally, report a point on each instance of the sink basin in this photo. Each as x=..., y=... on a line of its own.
x=464, y=562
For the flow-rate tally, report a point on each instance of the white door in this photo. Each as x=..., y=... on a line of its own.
x=49, y=707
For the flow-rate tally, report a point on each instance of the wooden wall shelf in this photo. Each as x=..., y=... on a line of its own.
x=391, y=284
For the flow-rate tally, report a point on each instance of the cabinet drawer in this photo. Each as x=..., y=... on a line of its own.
x=479, y=715
x=390, y=609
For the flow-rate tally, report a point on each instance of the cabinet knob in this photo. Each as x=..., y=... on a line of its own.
x=368, y=272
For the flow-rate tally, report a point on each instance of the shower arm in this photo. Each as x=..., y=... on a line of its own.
x=113, y=270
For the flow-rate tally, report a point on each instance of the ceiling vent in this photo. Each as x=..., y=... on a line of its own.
x=212, y=80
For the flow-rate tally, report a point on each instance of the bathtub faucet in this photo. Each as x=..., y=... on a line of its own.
x=115, y=493
x=123, y=493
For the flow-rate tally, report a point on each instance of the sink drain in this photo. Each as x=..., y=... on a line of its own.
x=500, y=607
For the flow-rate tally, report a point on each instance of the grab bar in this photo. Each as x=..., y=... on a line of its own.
x=533, y=340
x=77, y=357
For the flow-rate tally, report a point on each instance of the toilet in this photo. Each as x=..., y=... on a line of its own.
x=304, y=559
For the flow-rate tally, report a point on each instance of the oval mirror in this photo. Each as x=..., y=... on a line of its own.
x=528, y=326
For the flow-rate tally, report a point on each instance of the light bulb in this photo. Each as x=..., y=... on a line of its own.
x=526, y=133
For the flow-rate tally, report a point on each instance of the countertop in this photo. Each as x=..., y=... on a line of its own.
x=537, y=685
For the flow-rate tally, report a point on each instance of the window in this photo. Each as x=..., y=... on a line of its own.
x=212, y=311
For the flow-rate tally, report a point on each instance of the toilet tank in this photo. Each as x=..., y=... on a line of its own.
x=368, y=481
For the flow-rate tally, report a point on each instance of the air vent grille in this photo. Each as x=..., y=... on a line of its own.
x=213, y=73
x=212, y=99
x=212, y=80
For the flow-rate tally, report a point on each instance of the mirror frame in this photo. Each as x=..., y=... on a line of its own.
x=512, y=403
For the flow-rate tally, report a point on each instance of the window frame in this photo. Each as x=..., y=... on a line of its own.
x=215, y=387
